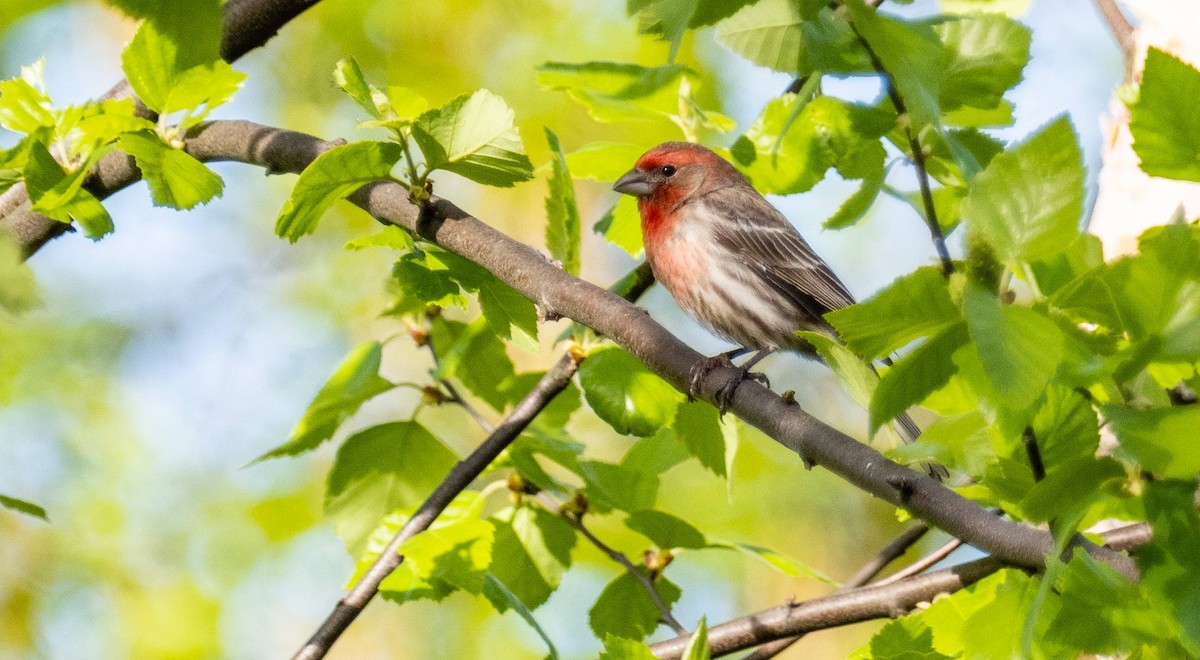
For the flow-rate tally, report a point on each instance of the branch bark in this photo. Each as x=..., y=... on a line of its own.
x=861, y=604
x=528, y=271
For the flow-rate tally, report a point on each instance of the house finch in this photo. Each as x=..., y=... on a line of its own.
x=730, y=259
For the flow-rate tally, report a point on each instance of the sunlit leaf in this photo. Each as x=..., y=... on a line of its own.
x=622, y=226
x=1019, y=348
x=22, y=506
x=624, y=393
x=911, y=53
x=916, y=305
x=175, y=177
x=532, y=550
x=665, y=530
x=330, y=177
x=625, y=608
x=1165, y=126
x=379, y=470
x=562, y=213
x=355, y=381
x=1029, y=199
x=474, y=136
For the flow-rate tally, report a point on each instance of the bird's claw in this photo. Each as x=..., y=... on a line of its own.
x=724, y=395
x=701, y=371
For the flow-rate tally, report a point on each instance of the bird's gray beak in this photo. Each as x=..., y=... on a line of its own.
x=634, y=182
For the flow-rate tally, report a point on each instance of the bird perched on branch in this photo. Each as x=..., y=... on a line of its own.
x=731, y=260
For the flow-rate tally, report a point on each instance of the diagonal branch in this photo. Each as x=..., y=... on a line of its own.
x=631, y=287
x=466, y=471
x=526, y=270
x=861, y=604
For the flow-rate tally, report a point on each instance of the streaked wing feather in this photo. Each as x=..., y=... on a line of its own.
x=762, y=234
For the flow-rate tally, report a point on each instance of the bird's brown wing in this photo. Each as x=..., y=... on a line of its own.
x=761, y=236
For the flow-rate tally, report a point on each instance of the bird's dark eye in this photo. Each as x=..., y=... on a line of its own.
x=668, y=170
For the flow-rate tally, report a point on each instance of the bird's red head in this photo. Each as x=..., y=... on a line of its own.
x=670, y=172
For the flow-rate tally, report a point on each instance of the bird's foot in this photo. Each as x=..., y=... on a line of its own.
x=725, y=394
x=701, y=371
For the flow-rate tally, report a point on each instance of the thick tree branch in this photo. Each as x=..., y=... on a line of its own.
x=890, y=552
x=861, y=604
x=528, y=271
x=246, y=25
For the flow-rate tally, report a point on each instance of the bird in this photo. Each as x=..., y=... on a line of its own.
x=732, y=261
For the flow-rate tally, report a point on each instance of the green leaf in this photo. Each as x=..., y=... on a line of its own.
x=658, y=453
x=24, y=104
x=1029, y=199
x=793, y=37
x=959, y=441
x=349, y=78
x=857, y=204
x=614, y=92
x=22, y=506
x=562, y=213
x=200, y=90
x=1070, y=487
x=60, y=195
x=986, y=54
x=355, y=381
x=1164, y=124
x=474, y=136
x=622, y=226
x=497, y=592
x=330, y=177
x=509, y=314
x=706, y=436
x=916, y=375
x=1163, y=440
x=1170, y=562
x=916, y=305
x=827, y=133
x=1103, y=612
x=908, y=638
x=625, y=608
x=665, y=530
x=532, y=550
x=176, y=179
x=627, y=395
x=911, y=53
x=421, y=279
x=603, y=161
x=557, y=413
x=777, y=561
x=442, y=559
x=697, y=648
x=1019, y=348
x=175, y=38
x=378, y=470
x=858, y=378
x=620, y=648
x=474, y=355
x=609, y=486
x=390, y=237
x=1065, y=426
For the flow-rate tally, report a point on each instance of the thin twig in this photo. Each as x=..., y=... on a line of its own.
x=891, y=552
x=917, y=153
x=1035, y=455
x=664, y=610
x=922, y=564
x=1120, y=26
